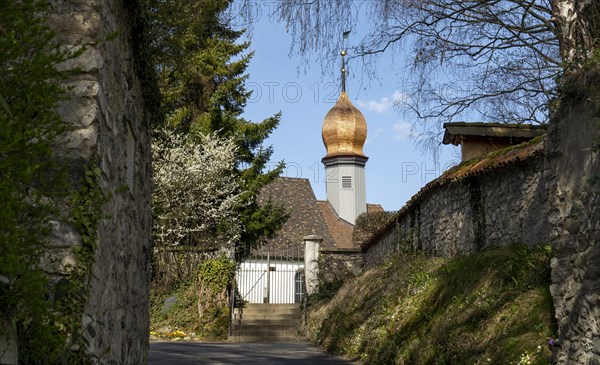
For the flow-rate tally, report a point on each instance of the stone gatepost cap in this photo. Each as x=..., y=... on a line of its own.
x=313, y=237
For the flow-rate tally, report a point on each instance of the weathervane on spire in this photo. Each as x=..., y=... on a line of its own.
x=343, y=72
x=344, y=37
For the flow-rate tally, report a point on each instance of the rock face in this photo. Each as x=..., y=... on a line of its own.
x=107, y=114
x=575, y=235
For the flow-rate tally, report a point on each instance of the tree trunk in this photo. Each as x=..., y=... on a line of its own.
x=578, y=27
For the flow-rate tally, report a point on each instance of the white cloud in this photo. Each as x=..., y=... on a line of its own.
x=372, y=136
x=402, y=131
x=383, y=105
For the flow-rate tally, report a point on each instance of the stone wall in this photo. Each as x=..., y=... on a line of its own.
x=106, y=112
x=487, y=207
x=575, y=220
x=347, y=260
x=550, y=195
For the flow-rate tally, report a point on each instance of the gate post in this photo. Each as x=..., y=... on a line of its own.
x=311, y=260
x=267, y=292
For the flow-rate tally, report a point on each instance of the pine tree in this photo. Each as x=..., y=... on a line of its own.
x=201, y=69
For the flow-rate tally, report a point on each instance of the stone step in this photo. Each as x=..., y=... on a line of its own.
x=264, y=317
x=267, y=332
x=264, y=339
x=248, y=311
x=267, y=323
x=269, y=306
x=281, y=312
x=266, y=328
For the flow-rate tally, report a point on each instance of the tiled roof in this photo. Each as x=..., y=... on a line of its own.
x=308, y=216
x=372, y=208
x=340, y=230
x=305, y=215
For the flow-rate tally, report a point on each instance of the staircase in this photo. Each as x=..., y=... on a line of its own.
x=267, y=323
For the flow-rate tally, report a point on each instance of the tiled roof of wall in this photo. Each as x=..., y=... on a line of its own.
x=455, y=131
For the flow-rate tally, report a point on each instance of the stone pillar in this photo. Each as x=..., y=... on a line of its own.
x=9, y=353
x=312, y=244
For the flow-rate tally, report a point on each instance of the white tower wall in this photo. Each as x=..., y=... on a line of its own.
x=346, y=187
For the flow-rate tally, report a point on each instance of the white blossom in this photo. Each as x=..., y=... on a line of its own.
x=196, y=192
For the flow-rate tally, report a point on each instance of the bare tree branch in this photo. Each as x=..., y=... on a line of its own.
x=491, y=60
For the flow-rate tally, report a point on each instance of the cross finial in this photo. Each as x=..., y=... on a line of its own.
x=343, y=72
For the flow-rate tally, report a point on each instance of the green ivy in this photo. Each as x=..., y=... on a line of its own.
x=217, y=274
x=58, y=335
x=47, y=315
x=29, y=176
x=86, y=215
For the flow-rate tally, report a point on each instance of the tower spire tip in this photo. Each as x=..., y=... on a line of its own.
x=343, y=72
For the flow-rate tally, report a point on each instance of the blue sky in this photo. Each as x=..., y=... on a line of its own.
x=395, y=170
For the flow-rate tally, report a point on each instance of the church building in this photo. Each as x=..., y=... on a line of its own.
x=330, y=221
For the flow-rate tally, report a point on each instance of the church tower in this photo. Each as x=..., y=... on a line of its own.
x=344, y=134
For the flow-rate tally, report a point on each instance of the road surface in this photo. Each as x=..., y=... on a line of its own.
x=197, y=353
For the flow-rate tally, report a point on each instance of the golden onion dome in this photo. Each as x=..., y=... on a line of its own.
x=344, y=129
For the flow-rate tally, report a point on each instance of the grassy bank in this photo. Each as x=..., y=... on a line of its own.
x=489, y=308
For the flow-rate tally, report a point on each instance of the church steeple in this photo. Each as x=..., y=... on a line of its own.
x=344, y=129
x=344, y=134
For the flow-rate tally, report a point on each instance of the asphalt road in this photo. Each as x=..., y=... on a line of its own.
x=188, y=353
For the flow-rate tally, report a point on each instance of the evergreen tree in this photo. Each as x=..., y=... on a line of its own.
x=201, y=70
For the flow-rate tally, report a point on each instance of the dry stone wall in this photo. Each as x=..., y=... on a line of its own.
x=106, y=112
x=490, y=208
x=339, y=264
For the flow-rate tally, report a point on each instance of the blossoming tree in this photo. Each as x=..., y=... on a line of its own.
x=196, y=193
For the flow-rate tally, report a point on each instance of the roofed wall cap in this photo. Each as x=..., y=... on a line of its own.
x=313, y=237
x=456, y=130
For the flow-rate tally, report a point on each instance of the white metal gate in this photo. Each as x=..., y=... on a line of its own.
x=271, y=279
